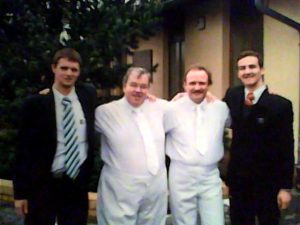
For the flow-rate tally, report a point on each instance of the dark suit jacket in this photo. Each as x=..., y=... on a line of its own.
x=37, y=140
x=262, y=150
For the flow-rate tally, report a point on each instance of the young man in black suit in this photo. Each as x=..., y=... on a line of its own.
x=260, y=169
x=55, y=148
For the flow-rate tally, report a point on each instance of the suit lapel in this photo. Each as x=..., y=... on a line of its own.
x=240, y=101
x=83, y=101
x=263, y=97
x=48, y=109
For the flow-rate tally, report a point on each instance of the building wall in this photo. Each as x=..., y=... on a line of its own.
x=281, y=54
x=210, y=47
x=158, y=44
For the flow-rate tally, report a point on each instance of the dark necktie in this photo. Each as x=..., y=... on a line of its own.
x=71, y=139
x=249, y=99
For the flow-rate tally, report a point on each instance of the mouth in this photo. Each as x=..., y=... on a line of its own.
x=68, y=79
x=248, y=76
x=137, y=95
x=197, y=92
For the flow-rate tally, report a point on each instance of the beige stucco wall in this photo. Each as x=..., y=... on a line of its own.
x=281, y=53
x=210, y=47
x=158, y=44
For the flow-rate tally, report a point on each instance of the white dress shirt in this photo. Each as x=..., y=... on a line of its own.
x=122, y=145
x=59, y=159
x=180, y=126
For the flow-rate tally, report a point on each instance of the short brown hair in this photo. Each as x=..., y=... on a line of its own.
x=246, y=53
x=199, y=67
x=139, y=70
x=68, y=53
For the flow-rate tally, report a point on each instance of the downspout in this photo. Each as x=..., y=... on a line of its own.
x=286, y=20
x=276, y=15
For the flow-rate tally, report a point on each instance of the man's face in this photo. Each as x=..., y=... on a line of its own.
x=136, y=89
x=196, y=85
x=249, y=72
x=66, y=73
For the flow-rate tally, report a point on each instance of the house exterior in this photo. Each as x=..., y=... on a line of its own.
x=213, y=32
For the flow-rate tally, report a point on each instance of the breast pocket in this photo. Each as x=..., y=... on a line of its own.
x=82, y=134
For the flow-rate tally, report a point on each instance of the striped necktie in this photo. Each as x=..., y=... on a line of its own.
x=71, y=139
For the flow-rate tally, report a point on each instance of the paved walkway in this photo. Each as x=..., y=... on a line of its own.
x=291, y=216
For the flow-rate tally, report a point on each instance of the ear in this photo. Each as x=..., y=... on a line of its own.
x=53, y=67
x=184, y=86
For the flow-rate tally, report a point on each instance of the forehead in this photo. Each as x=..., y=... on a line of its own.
x=248, y=60
x=195, y=75
x=135, y=77
x=66, y=61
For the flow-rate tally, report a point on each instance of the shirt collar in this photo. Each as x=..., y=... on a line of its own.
x=193, y=105
x=72, y=95
x=131, y=108
x=257, y=93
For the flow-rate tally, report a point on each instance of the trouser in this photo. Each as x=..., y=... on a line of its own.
x=59, y=199
x=195, y=190
x=131, y=200
x=249, y=202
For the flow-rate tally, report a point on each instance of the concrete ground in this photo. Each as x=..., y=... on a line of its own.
x=291, y=216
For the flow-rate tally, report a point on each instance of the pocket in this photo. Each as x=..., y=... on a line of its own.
x=82, y=134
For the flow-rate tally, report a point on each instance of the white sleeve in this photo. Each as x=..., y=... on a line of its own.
x=100, y=118
x=228, y=118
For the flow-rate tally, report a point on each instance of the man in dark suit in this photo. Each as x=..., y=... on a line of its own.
x=261, y=162
x=55, y=148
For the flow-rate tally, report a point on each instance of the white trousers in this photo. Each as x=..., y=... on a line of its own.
x=193, y=191
x=131, y=200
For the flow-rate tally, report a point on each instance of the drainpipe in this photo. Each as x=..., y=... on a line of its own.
x=276, y=15
x=286, y=20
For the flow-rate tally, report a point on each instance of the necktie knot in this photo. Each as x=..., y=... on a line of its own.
x=137, y=111
x=249, y=99
x=65, y=101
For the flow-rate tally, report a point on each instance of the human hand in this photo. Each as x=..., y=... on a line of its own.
x=44, y=91
x=284, y=198
x=21, y=207
x=178, y=96
x=225, y=190
x=271, y=92
x=210, y=97
x=152, y=98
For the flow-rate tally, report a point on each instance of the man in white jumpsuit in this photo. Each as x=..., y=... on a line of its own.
x=133, y=183
x=195, y=145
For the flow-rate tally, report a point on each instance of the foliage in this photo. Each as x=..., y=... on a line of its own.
x=103, y=31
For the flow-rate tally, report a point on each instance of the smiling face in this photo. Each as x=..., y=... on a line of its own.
x=66, y=73
x=136, y=88
x=196, y=85
x=249, y=72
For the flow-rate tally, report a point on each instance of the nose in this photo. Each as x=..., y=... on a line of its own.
x=69, y=71
x=247, y=70
x=197, y=87
x=138, y=89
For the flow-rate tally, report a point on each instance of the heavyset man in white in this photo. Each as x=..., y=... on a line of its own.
x=133, y=183
x=195, y=145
